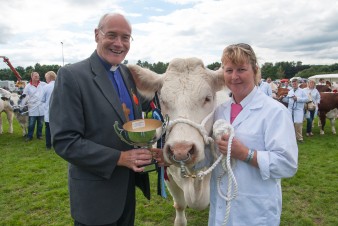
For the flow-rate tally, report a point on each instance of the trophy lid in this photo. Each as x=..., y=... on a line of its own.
x=142, y=125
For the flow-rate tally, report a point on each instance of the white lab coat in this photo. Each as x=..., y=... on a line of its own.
x=263, y=125
x=274, y=89
x=35, y=106
x=265, y=88
x=47, y=92
x=296, y=108
x=315, y=96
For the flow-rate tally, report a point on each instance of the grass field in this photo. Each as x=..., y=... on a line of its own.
x=33, y=186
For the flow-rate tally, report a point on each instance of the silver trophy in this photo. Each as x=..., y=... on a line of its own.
x=142, y=133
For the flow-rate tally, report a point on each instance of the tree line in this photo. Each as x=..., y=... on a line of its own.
x=288, y=70
x=277, y=70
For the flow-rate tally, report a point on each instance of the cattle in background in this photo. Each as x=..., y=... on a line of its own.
x=11, y=105
x=282, y=92
x=323, y=88
x=6, y=107
x=187, y=93
x=20, y=109
x=328, y=102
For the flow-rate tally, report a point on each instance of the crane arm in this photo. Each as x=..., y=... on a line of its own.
x=16, y=73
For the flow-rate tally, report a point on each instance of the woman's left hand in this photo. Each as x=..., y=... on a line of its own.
x=238, y=150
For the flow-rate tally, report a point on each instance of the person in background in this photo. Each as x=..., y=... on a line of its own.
x=286, y=85
x=262, y=157
x=328, y=84
x=314, y=96
x=321, y=81
x=264, y=86
x=50, y=77
x=296, y=100
x=88, y=98
x=274, y=87
x=34, y=91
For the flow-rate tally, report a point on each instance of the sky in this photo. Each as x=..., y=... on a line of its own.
x=62, y=31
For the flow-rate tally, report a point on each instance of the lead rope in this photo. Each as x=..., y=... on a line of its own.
x=222, y=127
x=226, y=164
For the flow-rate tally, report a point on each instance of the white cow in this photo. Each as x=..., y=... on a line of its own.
x=11, y=105
x=6, y=107
x=187, y=93
x=20, y=109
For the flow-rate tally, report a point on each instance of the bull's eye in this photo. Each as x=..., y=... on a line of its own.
x=208, y=99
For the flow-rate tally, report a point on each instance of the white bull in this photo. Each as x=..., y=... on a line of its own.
x=20, y=109
x=6, y=107
x=9, y=103
x=187, y=93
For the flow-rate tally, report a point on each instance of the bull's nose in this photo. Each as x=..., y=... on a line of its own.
x=182, y=150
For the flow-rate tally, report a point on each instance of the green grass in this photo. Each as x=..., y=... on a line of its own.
x=33, y=186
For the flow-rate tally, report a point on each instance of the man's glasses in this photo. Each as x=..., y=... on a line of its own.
x=112, y=36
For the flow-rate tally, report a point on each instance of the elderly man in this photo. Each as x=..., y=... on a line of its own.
x=296, y=100
x=88, y=98
x=273, y=86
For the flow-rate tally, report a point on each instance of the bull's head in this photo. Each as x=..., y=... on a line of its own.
x=187, y=93
x=17, y=103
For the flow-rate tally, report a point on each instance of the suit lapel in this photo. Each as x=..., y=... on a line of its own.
x=103, y=82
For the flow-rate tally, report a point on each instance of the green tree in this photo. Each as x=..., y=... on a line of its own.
x=280, y=72
x=214, y=66
x=268, y=70
x=159, y=67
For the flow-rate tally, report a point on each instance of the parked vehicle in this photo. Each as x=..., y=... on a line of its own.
x=328, y=77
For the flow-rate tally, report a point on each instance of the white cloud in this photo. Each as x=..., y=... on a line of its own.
x=32, y=31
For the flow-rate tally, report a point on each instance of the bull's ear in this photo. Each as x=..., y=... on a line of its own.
x=4, y=98
x=22, y=96
x=147, y=81
x=218, y=77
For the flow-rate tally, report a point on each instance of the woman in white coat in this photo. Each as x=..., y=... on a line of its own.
x=314, y=96
x=296, y=100
x=264, y=148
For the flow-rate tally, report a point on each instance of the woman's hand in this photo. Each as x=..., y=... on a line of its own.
x=238, y=150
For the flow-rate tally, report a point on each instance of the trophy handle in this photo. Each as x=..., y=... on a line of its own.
x=119, y=133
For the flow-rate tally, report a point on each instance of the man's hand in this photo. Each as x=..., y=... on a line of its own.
x=158, y=156
x=135, y=158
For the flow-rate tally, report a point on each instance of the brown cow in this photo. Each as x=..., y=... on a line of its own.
x=323, y=88
x=328, y=102
x=282, y=92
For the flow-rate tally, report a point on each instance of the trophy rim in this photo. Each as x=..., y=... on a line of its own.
x=150, y=125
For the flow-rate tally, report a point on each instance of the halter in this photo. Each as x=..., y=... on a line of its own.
x=202, y=131
x=232, y=190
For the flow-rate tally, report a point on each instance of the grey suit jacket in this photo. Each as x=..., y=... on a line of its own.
x=83, y=109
